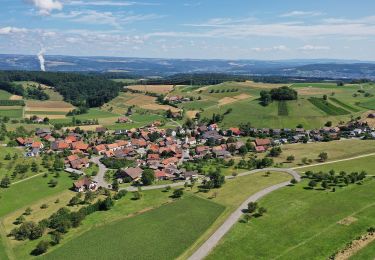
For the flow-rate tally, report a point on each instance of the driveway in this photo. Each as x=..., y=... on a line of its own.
x=99, y=178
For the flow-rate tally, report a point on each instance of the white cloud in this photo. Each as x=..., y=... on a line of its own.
x=301, y=14
x=107, y=3
x=11, y=30
x=274, y=48
x=314, y=48
x=45, y=7
x=106, y=18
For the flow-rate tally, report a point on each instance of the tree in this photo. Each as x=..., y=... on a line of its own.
x=325, y=185
x=137, y=195
x=325, y=97
x=328, y=124
x=56, y=237
x=252, y=207
x=89, y=196
x=5, y=182
x=41, y=248
x=74, y=201
x=28, y=211
x=261, y=211
x=293, y=181
x=323, y=156
x=275, y=151
x=115, y=185
x=177, y=193
x=148, y=177
x=290, y=158
x=312, y=184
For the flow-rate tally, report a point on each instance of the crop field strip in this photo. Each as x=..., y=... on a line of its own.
x=283, y=108
x=12, y=103
x=327, y=107
x=342, y=104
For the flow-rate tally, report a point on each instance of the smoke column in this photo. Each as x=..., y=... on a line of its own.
x=41, y=59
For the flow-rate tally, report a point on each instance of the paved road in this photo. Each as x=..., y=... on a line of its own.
x=214, y=239
x=182, y=183
x=99, y=178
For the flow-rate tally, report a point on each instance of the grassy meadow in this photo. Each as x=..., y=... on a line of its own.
x=163, y=233
x=304, y=224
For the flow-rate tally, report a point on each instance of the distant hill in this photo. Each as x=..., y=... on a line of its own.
x=338, y=69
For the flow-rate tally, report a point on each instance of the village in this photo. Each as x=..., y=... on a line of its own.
x=164, y=151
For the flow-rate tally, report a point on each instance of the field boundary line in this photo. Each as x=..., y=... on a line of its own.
x=26, y=179
x=335, y=161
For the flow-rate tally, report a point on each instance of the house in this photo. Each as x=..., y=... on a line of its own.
x=80, y=146
x=85, y=184
x=100, y=149
x=201, y=150
x=134, y=173
x=101, y=130
x=222, y=154
x=123, y=120
x=20, y=141
x=171, y=160
x=235, y=131
x=190, y=175
x=151, y=157
x=113, y=147
x=262, y=142
x=59, y=145
x=260, y=149
x=78, y=163
x=162, y=175
x=38, y=145
x=33, y=153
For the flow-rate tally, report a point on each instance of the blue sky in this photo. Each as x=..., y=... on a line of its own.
x=212, y=29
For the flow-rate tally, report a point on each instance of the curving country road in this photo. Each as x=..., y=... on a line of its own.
x=214, y=239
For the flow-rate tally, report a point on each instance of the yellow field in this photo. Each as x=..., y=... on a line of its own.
x=229, y=100
x=15, y=97
x=192, y=113
x=314, y=91
x=160, y=107
x=49, y=116
x=48, y=106
x=159, y=89
x=83, y=127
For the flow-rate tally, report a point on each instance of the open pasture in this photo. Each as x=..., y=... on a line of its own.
x=5, y=95
x=303, y=224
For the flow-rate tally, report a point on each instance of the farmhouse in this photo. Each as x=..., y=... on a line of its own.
x=85, y=184
x=134, y=173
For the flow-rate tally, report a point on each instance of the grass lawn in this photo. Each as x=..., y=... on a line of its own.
x=303, y=224
x=163, y=233
x=22, y=194
x=12, y=113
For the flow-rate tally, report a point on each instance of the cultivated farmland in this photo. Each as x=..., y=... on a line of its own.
x=179, y=223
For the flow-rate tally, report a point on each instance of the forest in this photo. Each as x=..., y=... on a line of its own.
x=78, y=89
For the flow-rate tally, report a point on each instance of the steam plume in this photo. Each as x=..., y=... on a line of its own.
x=41, y=59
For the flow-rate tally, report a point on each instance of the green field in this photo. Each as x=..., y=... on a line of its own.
x=327, y=107
x=303, y=224
x=4, y=94
x=31, y=190
x=11, y=113
x=163, y=233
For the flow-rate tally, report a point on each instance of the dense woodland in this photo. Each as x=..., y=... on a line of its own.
x=78, y=89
